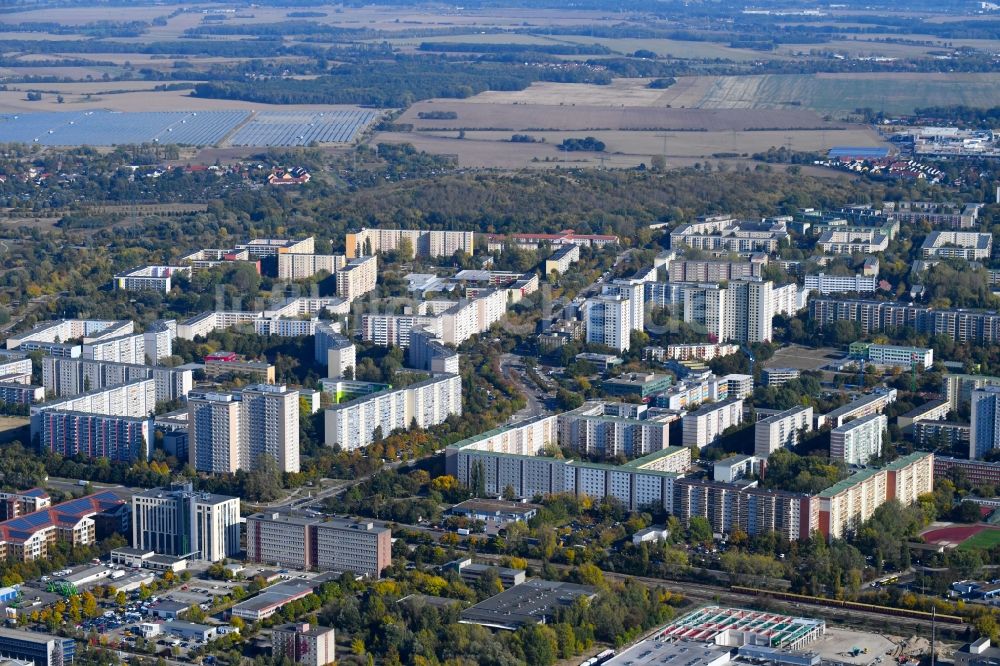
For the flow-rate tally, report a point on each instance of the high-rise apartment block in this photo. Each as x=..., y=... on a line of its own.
x=985, y=434
x=597, y=429
x=334, y=350
x=357, y=423
x=181, y=522
x=740, y=311
x=357, y=277
x=858, y=441
x=782, y=430
x=610, y=318
x=317, y=542
x=230, y=431
x=706, y=424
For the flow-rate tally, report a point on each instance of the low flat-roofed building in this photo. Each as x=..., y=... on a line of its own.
x=37, y=648
x=271, y=600
x=636, y=383
x=190, y=630
x=533, y=602
x=653, y=533
x=672, y=653
x=770, y=655
x=740, y=626
x=497, y=512
x=977, y=653
x=471, y=572
x=168, y=610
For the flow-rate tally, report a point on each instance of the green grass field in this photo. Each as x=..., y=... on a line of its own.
x=982, y=541
x=839, y=94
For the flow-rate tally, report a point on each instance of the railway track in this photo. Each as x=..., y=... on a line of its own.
x=867, y=620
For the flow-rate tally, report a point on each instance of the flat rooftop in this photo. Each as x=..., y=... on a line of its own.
x=672, y=653
x=275, y=595
x=529, y=603
x=706, y=623
x=494, y=506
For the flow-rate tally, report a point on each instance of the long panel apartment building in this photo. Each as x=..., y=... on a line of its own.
x=833, y=284
x=356, y=423
x=304, y=266
x=511, y=457
x=422, y=242
x=964, y=326
x=63, y=330
x=728, y=506
x=847, y=504
x=64, y=377
x=318, y=543
x=111, y=420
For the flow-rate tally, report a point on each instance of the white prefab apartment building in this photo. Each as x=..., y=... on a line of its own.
x=357, y=277
x=423, y=242
x=65, y=377
x=355, y=424
x=706, y=425
x=302, y=266
x=610, y=318
x=122, y=349
x=781, y=430
x=150, y=278
x=835, y=284
x=858, y=441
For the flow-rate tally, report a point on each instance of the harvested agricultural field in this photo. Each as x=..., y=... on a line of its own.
x=689, y=144
x=834, y=94
x=494, y=149
x=471, y=115
x=896, y=93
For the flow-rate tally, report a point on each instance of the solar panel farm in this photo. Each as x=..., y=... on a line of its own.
x=188, y=128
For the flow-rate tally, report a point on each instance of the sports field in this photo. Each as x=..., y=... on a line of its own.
x=966, y=537
x=983, y=540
